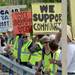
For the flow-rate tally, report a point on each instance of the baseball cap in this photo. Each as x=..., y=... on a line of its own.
x=45, y=39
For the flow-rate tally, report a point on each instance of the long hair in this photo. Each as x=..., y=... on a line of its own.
x=53, y=45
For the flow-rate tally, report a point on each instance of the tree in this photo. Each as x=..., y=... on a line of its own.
x=2, y=3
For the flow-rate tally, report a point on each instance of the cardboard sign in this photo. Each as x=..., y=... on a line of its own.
x=5, y=16
x=46, y=16
x=22, y=22
x=4, y=20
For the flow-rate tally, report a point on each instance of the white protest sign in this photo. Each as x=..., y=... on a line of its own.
x=5, y=16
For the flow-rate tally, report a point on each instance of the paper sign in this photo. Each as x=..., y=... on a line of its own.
x=5, y=16
x=22, y=22
x=46, y=16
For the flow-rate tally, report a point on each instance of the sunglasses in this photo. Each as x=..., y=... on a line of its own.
x=25, y=36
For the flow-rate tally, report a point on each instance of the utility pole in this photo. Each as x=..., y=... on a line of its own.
x=64, y=37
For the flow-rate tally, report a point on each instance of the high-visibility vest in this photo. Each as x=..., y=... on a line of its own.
x=37, y=55
x=25, y=53
x=46, y=62
x=15, y=47
x=54, y=67
x=48, y=66
x=40, y=45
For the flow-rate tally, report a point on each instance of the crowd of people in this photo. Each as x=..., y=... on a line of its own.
x=40, y=52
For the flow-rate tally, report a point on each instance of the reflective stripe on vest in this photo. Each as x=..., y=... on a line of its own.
x=16, y=42
x=46, y=61
x=25, y=52
x=54, y=67
x=25, y=46
x=15, y=47
x=36, y=57
x=39, y=44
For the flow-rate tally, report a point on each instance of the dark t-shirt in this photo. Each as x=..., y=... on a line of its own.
x=2, y=41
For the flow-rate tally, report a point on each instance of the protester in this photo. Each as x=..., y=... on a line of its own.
x=70, y=54
x=50, y=53
x=10, y=37
x=36, y=51
x=25, y=53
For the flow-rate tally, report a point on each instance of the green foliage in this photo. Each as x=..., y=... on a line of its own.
x=2, y=4
x=51, y=0
x=28, y=3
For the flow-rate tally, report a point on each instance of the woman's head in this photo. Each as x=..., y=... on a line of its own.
x=54, y=40
x=53, y=45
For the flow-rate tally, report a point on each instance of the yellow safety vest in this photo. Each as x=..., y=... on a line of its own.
x=40, y=45
x=36, y=56
x=25, y=52
x=54, y=67
x=15, y=47
x=46, y=61
x=48, y=66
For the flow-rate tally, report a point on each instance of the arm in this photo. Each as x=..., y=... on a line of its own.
x=58, y=62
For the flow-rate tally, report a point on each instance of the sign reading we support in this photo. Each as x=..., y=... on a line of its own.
x=5, y=16
x=22, y=22
x=46, y=16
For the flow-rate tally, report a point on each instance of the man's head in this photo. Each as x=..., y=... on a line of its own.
x=45, y=40
x=53, y=44
x=26, y=36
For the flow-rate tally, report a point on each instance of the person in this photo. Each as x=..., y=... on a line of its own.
x=36, y=51
x=10, y=37
x=4, y=51
x=55, y=52
x=14, y=48
x=2, y=45
x=25, y=53
x=70, y=54
x=57, y=39
x=49, y=52
x=44, y=66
